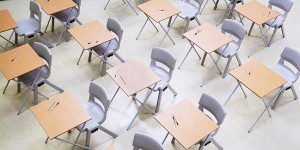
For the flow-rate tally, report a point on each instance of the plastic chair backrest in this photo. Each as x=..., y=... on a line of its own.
x=36, y=11
x=284, y=5
x=44, y=52
x=164, y=57
x=293, y=57
x=115, y=26
x=234, y=28
x=212, y=105
x=145, y=142
x=97, y=91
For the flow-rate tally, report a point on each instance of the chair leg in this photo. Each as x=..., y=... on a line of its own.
x=158, y=100
x=186, y=25
x=104, y=66
x=80, y=56
x=277, y=99
x=226, y=68
x=18, y=86
x=79, y=22
x=121, y=59
x=52, y=26
x=35, y=94
x=172, y=90
x=6, y=86
x=108, y=131
x=25, y=39
x=282, y=30
x=270, y=42
x=216, y=144
x=88, y=138
x=43, y=40
x=238, y=59
x=294, y=92
x=53, y=86
x=197, y=20
x=90, y=57
x=16, y=39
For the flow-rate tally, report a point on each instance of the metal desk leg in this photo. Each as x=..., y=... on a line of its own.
x=66, y=26
x=148, y=18
x=215, y=64
x=124, y=9
x=8, y=41
x=266, y=108
x=165, y=138
x=216, y=4
x=167, y=32
x=75, y=142
x=28, y=91
x=141, y=107
x=192, y=47
x=114, y=95
x=239, y=85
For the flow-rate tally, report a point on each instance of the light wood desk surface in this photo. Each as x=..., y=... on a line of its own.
x=159, y=10
x=133, y=76
x=6, y=21
x=53, y=6
x=207, y=37
x=257, y=77
x=65, y=116
x=26, y=59
x=193, y=124
x=91, y=34
x=257, y=12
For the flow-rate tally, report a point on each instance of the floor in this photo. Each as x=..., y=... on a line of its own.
x=281, y=131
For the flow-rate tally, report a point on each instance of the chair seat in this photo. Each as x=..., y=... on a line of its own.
x=100, y=49
x=230, y=51
x=188, y=10
x=27, y=27
x=278, y=22
x=29, y=77
x=285, y=72
x=63, y=15
x=163, y=75
x=96, y=112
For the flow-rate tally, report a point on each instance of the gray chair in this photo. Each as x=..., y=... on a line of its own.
x=284, y=5
x=161, y=59
x=288, y=67
x=145, y=142
x=66, y=17
x=97, y=110
x=35, y=78
x=107, y=49
x=212, y=105
x=237, y=30
x=189, y=11
x=31, y=27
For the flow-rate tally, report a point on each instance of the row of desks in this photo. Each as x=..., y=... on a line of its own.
x=133, y=76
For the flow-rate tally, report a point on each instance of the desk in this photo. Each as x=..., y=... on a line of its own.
x=60, y=114
x=53, y=6
x=17, y=62
x=133, y=76
x=258, y=78
x=258, y=14
x=159, y=10
x=209, y=39
x=193, y=124
x=6, y=23
x=90, y=35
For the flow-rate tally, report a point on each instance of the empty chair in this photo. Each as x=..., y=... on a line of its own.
x=108, y=48
x=35, y=78
x=288, y=67
x=97, y=110
x=237, y=30
x=66, y=17
x=212, y=105
x=145, y=142
x=284, y=5
x=189, y=11
x=161, y=59
x=31, y=27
